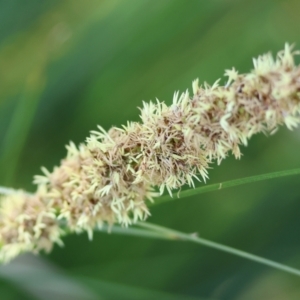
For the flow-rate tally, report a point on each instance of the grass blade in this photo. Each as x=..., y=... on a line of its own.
x=132, y=231
x=227, y=184
x=155, y=231
x=18, y=130
x=171, y=234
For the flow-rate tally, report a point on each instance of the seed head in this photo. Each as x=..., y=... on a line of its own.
x=111, y=176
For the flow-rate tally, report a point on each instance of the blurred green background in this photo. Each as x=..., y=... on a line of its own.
x=66, y=66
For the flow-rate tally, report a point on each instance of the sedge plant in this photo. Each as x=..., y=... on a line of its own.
x=109, y=181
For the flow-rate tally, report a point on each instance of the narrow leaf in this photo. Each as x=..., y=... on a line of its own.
x=227, y=184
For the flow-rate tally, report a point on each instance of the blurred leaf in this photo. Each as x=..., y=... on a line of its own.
x=17, y=132
x=44, y=281
x=116, y=291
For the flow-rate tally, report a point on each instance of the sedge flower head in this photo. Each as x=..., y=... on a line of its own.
x=111, y=177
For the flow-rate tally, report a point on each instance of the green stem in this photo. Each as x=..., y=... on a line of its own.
x=227, y=184
x=132, y=232
x=171, y=234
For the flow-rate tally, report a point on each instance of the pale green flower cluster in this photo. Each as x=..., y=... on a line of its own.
x=112, y=175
